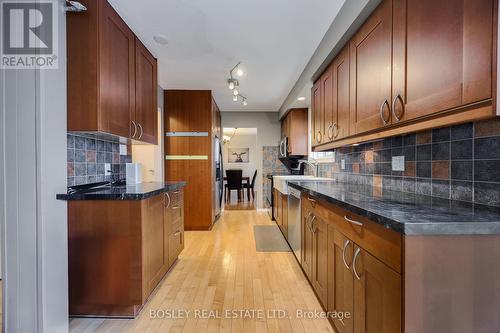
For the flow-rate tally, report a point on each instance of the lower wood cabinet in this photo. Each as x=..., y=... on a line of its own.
x=348, y=278
x=119, y=250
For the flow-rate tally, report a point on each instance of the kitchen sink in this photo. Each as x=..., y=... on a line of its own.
x=281, y=182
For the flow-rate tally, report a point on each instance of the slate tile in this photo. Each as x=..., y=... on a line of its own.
x=461, y=170
x=441, y=151
x=424, y=153
x=424, y=169
x=487, y=170
x=441, y=188
x=441, y=169
x=487, y=193
x=461, y=150
x=487, y=148
x=410, y=139
x=70, y=141
x=410, y=153
x=424, y=137
x=80, y=155
x=70, y=155
x=461, y=191
x=441, y=134
x=463, y=131
x=490, y=127
x=423, y=187
x=397, y=141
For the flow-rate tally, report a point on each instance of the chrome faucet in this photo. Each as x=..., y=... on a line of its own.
x=312, y=163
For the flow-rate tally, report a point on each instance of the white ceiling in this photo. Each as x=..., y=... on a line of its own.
x=274, y=40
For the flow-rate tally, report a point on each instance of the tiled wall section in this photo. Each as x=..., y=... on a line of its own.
x=460, y=162
x=271, y=164
x=87, y=158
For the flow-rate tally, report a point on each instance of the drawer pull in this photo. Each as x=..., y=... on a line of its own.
x=356, y=254
x=168, y=197
x=177, y=192
x=176, y=207
x=312, y=201
x=347, y=242
x=177, y=233
x=352, y=221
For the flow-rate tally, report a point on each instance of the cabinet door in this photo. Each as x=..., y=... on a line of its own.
x=371, y=68
x=377, y=295
x=307, y=243
x=316, y=120
x=146, y=90
x=442, y=55
x=328, y=116
x=155, y=261
x=320, y=258
x=117, y=73
x=340, y=122
x=340, y=279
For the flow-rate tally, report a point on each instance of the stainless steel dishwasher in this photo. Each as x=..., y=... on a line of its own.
x=294, y=219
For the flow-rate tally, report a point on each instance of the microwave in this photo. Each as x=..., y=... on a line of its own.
x=283, y=148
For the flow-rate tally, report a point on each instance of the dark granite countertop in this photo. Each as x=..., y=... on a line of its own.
x=407, y=213
x=129, y=192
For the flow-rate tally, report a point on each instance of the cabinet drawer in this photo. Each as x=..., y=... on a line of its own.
x=382, y=243
x=315, y=207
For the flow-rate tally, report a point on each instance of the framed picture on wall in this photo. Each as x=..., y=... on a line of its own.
x=238, y=155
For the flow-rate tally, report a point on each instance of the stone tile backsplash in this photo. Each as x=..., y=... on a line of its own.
x=87, y=158
x=460, y=162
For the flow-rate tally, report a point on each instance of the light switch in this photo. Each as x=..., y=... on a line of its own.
x=342, y=164
x=398, y=163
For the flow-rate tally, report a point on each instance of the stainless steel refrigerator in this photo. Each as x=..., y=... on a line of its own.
x=219, y=178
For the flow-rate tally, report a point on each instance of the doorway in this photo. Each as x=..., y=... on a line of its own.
x=239, y=153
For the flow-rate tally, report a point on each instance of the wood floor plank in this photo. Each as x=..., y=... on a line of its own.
x=218, y=271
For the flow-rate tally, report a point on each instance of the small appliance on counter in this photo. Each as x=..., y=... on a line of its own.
x=134, y=173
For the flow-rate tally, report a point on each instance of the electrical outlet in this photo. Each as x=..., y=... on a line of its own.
x=398, y=163
x=107, y=169
x=342, y=164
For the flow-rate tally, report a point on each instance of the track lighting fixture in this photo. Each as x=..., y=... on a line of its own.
x=233, y=84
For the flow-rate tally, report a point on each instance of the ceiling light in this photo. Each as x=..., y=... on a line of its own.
x=245, y=103
x=301, y=98
x=231, y=85
x=235, y=92
x=160, y=39
x=235, y=98
x=240, y=72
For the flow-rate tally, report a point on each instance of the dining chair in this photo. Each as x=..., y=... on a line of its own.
x=234, y=182
x=251, y=186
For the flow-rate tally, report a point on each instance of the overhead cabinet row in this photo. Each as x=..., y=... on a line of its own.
x=112, y=77
x=410, y=61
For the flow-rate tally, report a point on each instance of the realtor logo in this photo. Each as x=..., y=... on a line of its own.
x=29, y=34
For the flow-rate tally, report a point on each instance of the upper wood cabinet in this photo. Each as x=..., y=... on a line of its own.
x=146, y=94
x=414, y=65
x=316, y=114
x=295, y=127
x=442, y=55
x=371, y=63
x=112, y=78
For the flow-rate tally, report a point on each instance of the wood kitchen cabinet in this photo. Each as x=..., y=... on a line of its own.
x=119, y=250
x=442, y=55
x=320, y=257
x=146, y=95
x=294, y=126
x=340, y=281
x=414, y=65
x=307, y=242
x=370, y=65
x=112, y=77
x=317, y=121
x=377, y=295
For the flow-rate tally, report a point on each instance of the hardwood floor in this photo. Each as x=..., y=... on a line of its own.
x=244, y=204
x=220, y=270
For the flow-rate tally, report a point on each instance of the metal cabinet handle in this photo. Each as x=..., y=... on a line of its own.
x=312, y=201
x=168, y=197
x=140, y=127
x=135, y=128
x=178, y=232
x=343, y=253
x=398, y=118
x=313, y=229
x=382, y=112
x=335, y=130
x=176, y=207
x=356, y=254
x=320, y=137
x=177, y=192
x=352, y=221
x=328, y=131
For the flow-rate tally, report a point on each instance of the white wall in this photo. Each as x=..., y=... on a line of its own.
x=268, y=134
x=243, y=141
x=34, y=223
